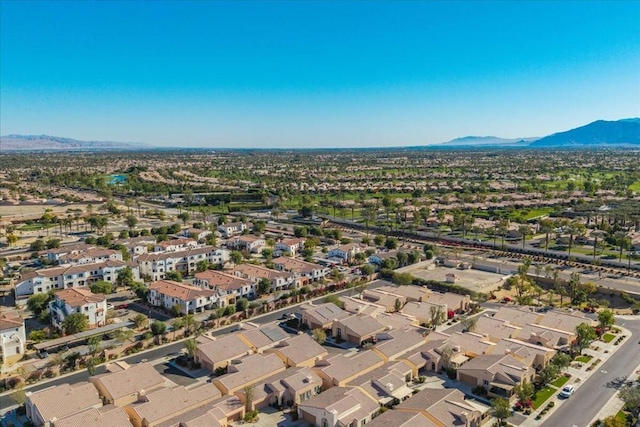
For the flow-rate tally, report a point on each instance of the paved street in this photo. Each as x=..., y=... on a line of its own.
x=591, y=395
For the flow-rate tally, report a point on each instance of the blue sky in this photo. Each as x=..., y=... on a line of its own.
x=314, y=74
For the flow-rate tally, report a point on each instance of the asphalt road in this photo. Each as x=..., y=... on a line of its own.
x=592, y=394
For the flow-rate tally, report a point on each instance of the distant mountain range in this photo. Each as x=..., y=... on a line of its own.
x=488, y=140
x=596, y=134
x=600, y=133
x=56, y=143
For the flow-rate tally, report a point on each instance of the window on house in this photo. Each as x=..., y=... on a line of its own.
x=485, y=383
x=325, y=423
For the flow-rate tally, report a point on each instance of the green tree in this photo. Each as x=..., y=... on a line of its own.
x=548, y=374
x=630, y=395
x=202, y=266
x=19, y=395
x=185, y=217
x=12, y=239
x=378, y=240
x=236, y=257
x=125, y=277
x=158, y=328
x=501, y=409
x=174, y=275
x=191, y=345
x=606, y=318
x=37, y=246
x=402, y=279
x=319, y=335
x=131, y=222
x=367, y=270
x=264, y=286
x=585, y=335
x=524, y=391
x=38, y=303
x=561, y=360
x=468, y=323
x=75, y=323
x=391, y=243
x=242, y=304
x=101, y=287
x=140, y=320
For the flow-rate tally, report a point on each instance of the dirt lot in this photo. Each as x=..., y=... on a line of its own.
x=475, y=280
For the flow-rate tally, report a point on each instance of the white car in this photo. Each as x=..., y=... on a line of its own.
x=567, y=391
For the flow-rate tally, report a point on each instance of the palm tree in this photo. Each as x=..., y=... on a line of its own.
x=524, y=230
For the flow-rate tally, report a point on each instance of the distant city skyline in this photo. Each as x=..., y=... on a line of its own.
x=315, y=74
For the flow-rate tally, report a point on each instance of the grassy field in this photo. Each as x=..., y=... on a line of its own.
x=635, y=186
x=608, y=338
x=542, y=396
x=534, y=213
x=584, y=359
x=560, y=381
x=35, y=227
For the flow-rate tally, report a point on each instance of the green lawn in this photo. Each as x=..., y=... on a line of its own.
x=608, y=338
x=560, y=381
x=34, y=227
x=584, y=359
x=533, y=213
x=542, y=396
x=635, y=186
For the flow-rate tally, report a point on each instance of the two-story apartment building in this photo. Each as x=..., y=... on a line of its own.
x=175, y=245
x=78, y=300
x=190, y=299
x=54, y=254
x=156, y=265
x=46, y=279
x=306, y=270
x=227, y=284
x=291, y=246
x=253, y=244
x=345, y=253
x=279, y=279
x=231, y=229
x=91, y=256
x=197, y=233
x=12, y=336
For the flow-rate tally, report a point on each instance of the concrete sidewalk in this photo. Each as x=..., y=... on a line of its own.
x=613, y=406
x=579, y=374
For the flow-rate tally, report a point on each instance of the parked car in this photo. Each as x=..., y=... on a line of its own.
x=122, y=306
x=567, y=391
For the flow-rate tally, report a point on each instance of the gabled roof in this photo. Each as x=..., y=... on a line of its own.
x=505, y=367
x=401, y=419
x=324, y=313
x=224, y=281
x=448, y=406
x=180, y=290
x=396, y=343
x=168, y=401
x=107, y=416
x=343, y=400
x=161, y=256
x=63, y=400
x=341, y=367
x=266, y=336
x=10, y=321
x=301, y=348
x=250, y=369
x=362, y=325
x=225, y=348
x=77, y=297
x=132, y=379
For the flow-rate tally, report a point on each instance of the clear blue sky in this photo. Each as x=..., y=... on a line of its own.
x=315, y=74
